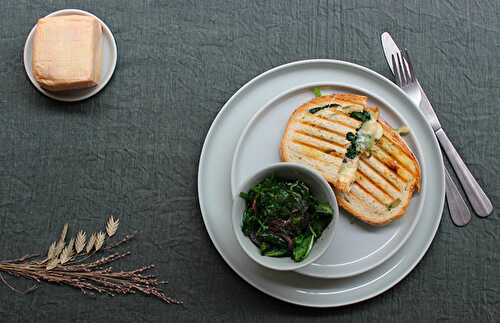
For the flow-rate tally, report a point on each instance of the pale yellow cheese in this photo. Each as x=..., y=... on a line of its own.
x=347, y=174
x=67, y=52
x=367, y=135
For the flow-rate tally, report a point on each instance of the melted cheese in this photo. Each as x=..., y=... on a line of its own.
x=67, y=52
x=369, y=132
x=351, y=108
x=347, y=172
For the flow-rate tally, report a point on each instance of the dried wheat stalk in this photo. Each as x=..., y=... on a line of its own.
x=67, y=252
x=90, y=243
x=99, y=240
x=112, y=226
x=80, y=241
x=67, y=264
x=52, y=251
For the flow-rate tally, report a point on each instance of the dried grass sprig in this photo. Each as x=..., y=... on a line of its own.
x=67, y=252
x=81, y=238
x=122, y=241
x=51, y=254
x=112, y=226
x=52, y=263
x=64, y=232
x=90, y=243
x=99, y=240
x=67, y=264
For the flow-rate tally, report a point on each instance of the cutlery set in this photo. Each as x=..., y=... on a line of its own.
x=404, y=75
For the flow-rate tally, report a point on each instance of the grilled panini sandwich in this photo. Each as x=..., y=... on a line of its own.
x=373, y=171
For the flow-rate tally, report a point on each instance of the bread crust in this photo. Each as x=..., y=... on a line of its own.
x=395, y=137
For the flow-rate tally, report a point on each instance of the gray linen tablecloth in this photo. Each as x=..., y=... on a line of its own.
x=133, y=149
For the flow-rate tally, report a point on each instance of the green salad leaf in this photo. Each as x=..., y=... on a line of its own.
x=317, y=92
x=283, y=218
x=303, y=245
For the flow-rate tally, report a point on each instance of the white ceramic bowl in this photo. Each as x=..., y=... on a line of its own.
x=320, y=189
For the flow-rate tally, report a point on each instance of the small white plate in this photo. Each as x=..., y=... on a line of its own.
x=215, y=196
x=357, y=247
x=109, y=55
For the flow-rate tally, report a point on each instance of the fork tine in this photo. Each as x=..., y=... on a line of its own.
x=403, y=71
x=395, y=68
x=410, y=65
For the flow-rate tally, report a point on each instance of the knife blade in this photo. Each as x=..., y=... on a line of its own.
x=478, y=199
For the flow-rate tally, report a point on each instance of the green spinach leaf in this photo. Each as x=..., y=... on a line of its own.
x=302, y=246
x=361, y=116
x=328, y=106
x=277, y=253
x=283, y=218
x=323, y=208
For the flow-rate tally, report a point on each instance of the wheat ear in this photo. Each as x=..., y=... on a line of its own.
x=90, y=243
x=80, y=241
x=99, y=241
x=112, y=226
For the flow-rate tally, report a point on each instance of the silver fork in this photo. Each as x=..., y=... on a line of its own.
x=406, y=76
x=406, y=79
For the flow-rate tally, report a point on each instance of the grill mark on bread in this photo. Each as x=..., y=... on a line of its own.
x=318, y=149
x=325, y=123
x=376, y=185
x=358, y=190
x=358, y=203
x=365, y=185
x=325, y=134
x=331, y=131
x=394, y=182
x=394, y=165
x=323, y=167
x=338, y=146
x=325, y=117
x=371, y=206
x=364, y=163
x=399, y=157
x=351, y=128
x=314, y=154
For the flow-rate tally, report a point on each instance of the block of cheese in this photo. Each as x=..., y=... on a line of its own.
x=67, y=52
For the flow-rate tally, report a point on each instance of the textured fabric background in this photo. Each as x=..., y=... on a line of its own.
x=134, y=148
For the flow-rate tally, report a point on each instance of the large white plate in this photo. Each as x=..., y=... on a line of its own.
x=108, y=64
x=357, y=247
x=214, y=188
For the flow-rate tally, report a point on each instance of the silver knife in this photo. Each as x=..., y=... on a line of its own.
x=478, y=199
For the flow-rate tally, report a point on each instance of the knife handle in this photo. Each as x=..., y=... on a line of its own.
x=459, y=211
x=477, y=198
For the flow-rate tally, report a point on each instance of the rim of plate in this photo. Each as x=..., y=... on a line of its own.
x=92, y=91
x=203, y=160
x=418, y=152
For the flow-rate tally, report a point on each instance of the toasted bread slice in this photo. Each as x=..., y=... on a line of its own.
x=385, y=181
